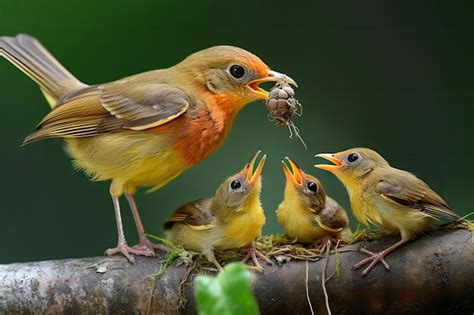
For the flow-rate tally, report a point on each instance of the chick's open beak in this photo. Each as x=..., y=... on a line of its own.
x=272, y=76
x=251, y=175
x=332, y=158
x=294, y=174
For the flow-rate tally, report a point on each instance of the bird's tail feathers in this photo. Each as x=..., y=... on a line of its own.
x=31, y=57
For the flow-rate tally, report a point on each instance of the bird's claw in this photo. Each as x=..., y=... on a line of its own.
x=216, y=263
x=373, y=260
x=324, y=244
x=252, y=253
x=146, y=244
x=127, y=251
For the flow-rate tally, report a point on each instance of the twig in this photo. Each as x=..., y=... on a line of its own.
x=181, y=294
x=291, y=125
x=323, y=276
x=338, y=258
x=307, y=290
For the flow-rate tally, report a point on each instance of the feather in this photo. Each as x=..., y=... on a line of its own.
x=97, y=111
x=28, y=55
x=409, y=191
x=195, y=214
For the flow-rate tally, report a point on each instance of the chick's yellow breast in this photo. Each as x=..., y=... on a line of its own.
x=362, y=204
x=297, y=221
x=243, y=228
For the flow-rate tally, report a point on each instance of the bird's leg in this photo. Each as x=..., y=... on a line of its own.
x=145, y=242
x=122, y=245
x=252, y=252
x=212, y=258
x=377, y=257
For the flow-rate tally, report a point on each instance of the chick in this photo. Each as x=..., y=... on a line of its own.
x=307, y=213
x=233, y=218
x=393, y=199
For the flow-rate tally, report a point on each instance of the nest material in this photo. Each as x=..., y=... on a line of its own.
x=281, y=247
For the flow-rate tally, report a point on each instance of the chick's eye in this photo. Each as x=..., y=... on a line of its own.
x=353, y=157
x=235, y=184
x=237, y=71
x=312, y=186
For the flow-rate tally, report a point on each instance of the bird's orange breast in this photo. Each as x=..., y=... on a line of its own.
x=202, y=129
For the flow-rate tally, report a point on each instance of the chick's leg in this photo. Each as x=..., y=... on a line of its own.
x=252, y=253
x=377, y=257
x=122, y=245
x=212, y=258
x=145, y=242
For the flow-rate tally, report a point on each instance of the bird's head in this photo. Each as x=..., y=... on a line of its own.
x=230, y=73
x=306, y=189
x=242, y=190
x=352, y=165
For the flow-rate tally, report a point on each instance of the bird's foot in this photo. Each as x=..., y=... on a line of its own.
x=127, y=251
x=209, y=254
x=252, y=253
x=146, y=244
x=324, y=244
x=373, y=260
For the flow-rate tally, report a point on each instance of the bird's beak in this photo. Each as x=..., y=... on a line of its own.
x=272, y=76
x=251, y=175
x=294, y=174
x=332, y=158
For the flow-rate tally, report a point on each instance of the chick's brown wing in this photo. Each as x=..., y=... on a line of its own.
x=194, y=214
x=405, y=189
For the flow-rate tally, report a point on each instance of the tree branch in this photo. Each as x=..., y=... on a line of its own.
x=434, y=274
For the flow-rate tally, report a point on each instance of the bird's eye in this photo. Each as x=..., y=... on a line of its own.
x=353, y=157
x=237, y=71
x=235, y=184
x=312, y=186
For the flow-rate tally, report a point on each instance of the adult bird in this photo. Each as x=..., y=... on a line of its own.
x=146, y=129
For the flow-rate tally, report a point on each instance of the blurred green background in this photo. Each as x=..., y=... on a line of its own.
x=394, y=77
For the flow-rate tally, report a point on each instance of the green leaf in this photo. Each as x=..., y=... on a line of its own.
x=229, y=293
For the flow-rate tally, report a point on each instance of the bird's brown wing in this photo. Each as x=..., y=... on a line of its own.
x=194, y=214
x=409, y=191
x=332, y=217
x=96, y=110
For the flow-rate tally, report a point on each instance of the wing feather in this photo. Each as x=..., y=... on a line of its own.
x=332, y=217
x=163, y=104
x=409, y=191
x=195, y=214
x=98, y=110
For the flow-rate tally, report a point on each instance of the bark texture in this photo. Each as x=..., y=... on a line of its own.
x=431, y=275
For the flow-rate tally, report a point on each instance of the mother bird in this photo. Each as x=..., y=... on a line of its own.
x=143, y=130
